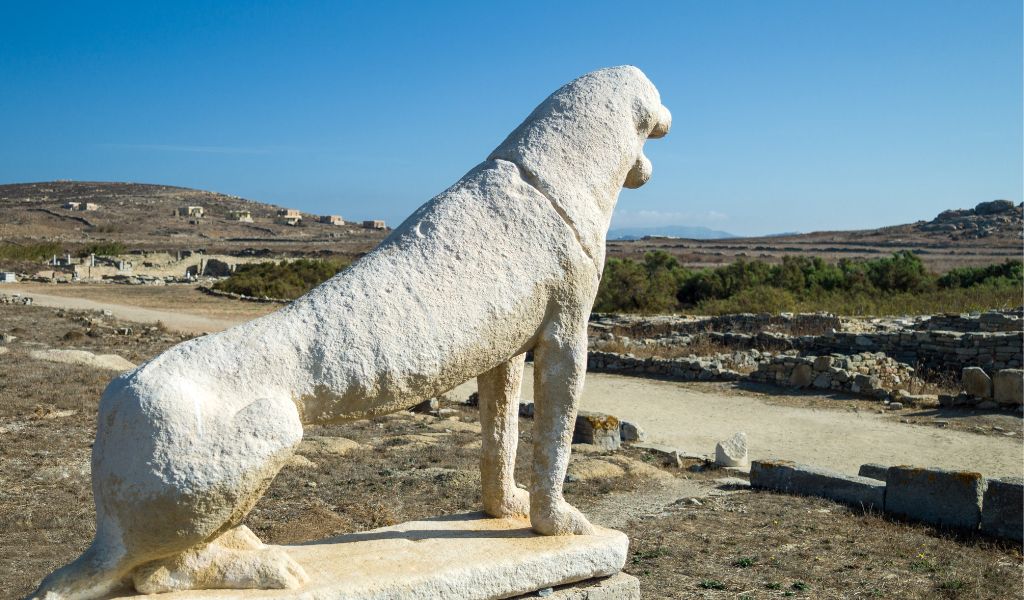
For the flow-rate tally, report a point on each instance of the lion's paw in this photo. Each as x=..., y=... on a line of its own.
x=560, y=519
x=515, y=504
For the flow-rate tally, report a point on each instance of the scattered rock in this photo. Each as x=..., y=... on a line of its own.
x=427, y=406
x=1008, y=386
x=110, y=362
x=631, y=432
x=732, y=452
x=598, y=429
x=298, y=461
x=976, y=382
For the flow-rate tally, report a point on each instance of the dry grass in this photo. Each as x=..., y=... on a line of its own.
x=764, y=545
x=164, y=297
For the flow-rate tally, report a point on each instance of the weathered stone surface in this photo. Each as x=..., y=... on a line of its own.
x=1002, y=511
x=110, y=362
x=187, y=442
x=670, y=456
x=785, y=476
x=1008, y=386
x=620, y=586
x=802, y=376
x=597, y=429
x=873, y=471
x=976, y=382
x=460, y=557
x=631, y=432
x=936, y=496
x=732, y=452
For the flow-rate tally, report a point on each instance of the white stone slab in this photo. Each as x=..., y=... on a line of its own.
x=457, y=557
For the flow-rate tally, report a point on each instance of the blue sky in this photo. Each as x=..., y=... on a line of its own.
x=788, y=115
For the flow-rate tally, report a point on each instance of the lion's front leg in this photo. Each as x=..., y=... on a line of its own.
x=499, y=424
x=560, y=365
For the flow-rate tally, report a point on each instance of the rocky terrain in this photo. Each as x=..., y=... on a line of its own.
x=142, y=217
x=988, y=233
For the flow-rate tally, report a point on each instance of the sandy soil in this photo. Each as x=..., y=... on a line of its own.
x=678, y=415
x=195, y=313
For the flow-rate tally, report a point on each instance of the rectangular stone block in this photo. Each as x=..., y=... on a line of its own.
x=597, y=429
x=785, y=476
x=617, y=587
x=936, y=496
x=873, y=471
x=1002, y=510
x=1008, y=386
x=456, y=557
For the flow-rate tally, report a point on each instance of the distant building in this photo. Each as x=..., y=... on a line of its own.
x=8, y=277
x=72, y=205
x=375, y=224
x=289, y=216
x=332, y=219
x=88, y=206
x=241, y=215
x=189, y=211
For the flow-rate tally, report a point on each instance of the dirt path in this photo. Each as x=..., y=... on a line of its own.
x=675, y=415
x=177, y=320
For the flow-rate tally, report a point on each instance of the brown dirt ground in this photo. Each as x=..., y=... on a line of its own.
x=179, y=297
x=740, y=544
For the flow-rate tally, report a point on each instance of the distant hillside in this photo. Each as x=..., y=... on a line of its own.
x=668, y=231
x=142, y=217
x=990, y=232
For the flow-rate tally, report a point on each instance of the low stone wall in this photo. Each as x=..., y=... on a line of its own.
x=1003, y=390
x=959, y=499
x=234, y=296
x=685, y=369
x=868, y=374
x=991, y=321
x=669, y=325
x=947, y=351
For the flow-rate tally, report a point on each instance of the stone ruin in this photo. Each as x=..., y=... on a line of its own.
x=885, y=359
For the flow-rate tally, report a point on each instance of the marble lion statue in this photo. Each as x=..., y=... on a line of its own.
x=506, y=261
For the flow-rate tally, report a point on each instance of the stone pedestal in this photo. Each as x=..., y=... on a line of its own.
x=458, y=557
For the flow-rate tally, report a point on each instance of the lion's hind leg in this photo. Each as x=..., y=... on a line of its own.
x=234, y=560
x=499, y=421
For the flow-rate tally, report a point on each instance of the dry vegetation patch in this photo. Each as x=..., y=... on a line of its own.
x=765, y=545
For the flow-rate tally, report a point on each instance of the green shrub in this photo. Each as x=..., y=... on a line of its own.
x=899, y=284
x=286, y=279
x=1010, y=272
x=41, y=251
x=103, y=249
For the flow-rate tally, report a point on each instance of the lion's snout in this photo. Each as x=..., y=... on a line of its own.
x=663, y=124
